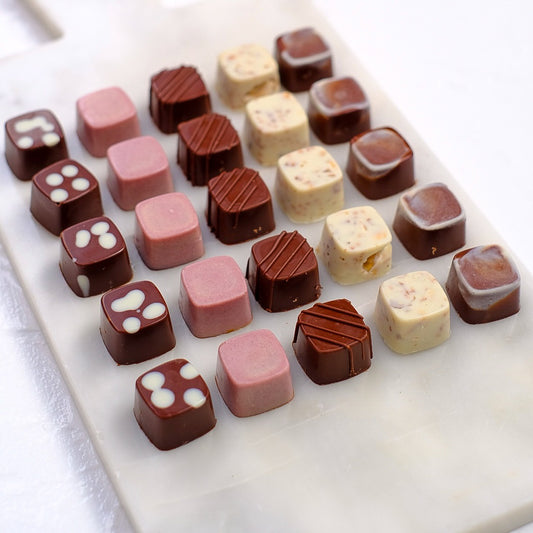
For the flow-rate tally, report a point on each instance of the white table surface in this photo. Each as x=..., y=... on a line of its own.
x=460, y=71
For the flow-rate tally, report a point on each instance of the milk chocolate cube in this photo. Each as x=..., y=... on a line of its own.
x=33, y=141
x=380, y=163
x=253, y=373
x=484, y=284
x=355, y=245
x=167, y=231
x=207, y=146
x=177, y=95
x=94, y=257
x=173, y=404
x=63, y=194
x=309, y=184
x=430, y=221
x=105, y=117
x=135, y=323
x=138, y=169
x=412, y=312
x=275, y=125
x=332, y=342
x=338, y=109
x=303, y=57
x=213, y=297
x=282, y=272
x=239, y=206
x=246, y=72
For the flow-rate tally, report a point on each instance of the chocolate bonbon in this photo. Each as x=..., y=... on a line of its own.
x=303, y=57
x=239, y=206
x=213, y=297
x=283, y=272
x=246, y=72
x=63, y=194
x=173, y=404
x=105, y=117
x=309, y=184
x=33, y=141
x=135, y=323
x=332, y=342
x=484, y=284
x=430, y=221
x=356, y=245
x=167, y=231
x=138, y=169
x=380, y=163
x=338, y=109
x=253, y=373
x=207, y=146
x=412, y=312
x=275, y=125
x=177, y=95
x=94, y=257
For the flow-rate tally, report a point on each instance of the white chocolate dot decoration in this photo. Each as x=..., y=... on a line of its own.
x=160, y=397
x=154, y=310
x=51, y=139
x=84, y=284
x=131, y=301
x=69, y=171
x=194, y=397
x=131, y=324
x=49, y=136
x=80, y=184
x=100, y=228
x=83, y=237
x=58, y=195
x=54, y=180
x=25, y=142
x=153, y=380
x=188, y=371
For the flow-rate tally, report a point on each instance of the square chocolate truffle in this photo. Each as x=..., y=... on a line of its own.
x=303, y=57
x=167, y=231
x=275, y=125
x=213, y=297
x=430, y=221
x=308, y=184
x=332, y=342
x=135, y=323
x=355, y=245
x=173, y=404
x=246, y=72
x=283, y=272
x=33, y=141
x=338, y=109
x=380, y=163
x=138, y=169
x=63, y=194
x=253, y=373
x=484, y=284
x=207, y=146
x=239, y=206
x=94, y=257
x=412, y=312
x=105, y=117
x=177, y=95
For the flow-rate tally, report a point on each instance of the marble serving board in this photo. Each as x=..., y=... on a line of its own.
x=435, y=441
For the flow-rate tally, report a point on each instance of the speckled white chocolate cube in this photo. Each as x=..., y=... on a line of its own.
x=308, y=184
x=355, y=245
x=274, y=126
x=412, y=312
x=246, y=72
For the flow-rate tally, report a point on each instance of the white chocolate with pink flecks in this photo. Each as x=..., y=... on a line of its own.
x=246, y=72
x=412, y=312
x=355, y=245
x=274, y=126
x=308, y=184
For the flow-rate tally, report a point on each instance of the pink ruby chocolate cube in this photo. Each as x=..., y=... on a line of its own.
x=167, y=231
x=138, y=169
x=253, y=373
x=105, y=117
x=214, y=297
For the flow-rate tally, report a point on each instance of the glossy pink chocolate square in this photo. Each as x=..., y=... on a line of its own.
x=138, y=169
x=105, y=117
x=253, y=373
x=167, y=231
x=214, y=297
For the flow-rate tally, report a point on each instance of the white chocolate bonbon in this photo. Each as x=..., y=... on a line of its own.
x=412, y=312
x=309, y=184
x=355, y=245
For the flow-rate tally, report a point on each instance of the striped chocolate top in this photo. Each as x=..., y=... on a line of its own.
x=177, y=85
x=209, y=134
